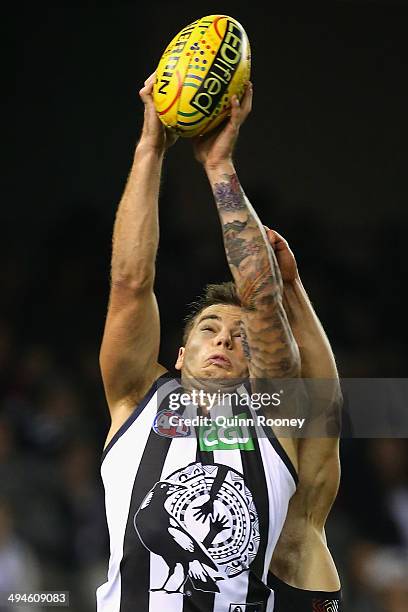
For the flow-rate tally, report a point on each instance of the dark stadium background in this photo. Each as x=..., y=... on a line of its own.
x=323, y=159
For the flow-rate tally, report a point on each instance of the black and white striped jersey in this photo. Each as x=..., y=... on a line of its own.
x=193, y=519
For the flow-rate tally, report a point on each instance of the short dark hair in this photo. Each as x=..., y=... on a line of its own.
x=222, y=293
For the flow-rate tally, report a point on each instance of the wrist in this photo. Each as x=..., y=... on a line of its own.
x=225, y=166
x=146, y=146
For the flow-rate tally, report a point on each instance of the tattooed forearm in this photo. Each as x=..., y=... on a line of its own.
x=228, y=194
x=244, y=341
x=239, y=248
x=252, y=263
x=267, y=338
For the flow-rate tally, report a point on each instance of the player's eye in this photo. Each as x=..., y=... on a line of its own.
x=207, y=329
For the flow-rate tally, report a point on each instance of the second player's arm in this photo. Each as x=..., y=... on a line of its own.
x=318, y=451
x=301, y=557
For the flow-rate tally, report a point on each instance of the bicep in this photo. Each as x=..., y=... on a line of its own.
x=130, y=346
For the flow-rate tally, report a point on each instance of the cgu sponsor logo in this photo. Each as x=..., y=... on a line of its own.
x=215, y=437
x=221, y=72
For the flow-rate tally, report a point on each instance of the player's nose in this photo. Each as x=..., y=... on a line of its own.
x=224, y=338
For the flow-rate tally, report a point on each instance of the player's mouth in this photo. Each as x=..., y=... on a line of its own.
x=219, y=360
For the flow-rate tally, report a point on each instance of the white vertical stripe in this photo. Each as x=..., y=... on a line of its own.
x=280, y=487
x=118, y=479
x=271, y=602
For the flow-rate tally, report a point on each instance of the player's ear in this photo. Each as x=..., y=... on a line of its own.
x=180, y=358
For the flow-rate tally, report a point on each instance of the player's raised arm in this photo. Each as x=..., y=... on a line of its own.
x=317, y=359
x=272, y=349
x=302, y=538
x=130, y=345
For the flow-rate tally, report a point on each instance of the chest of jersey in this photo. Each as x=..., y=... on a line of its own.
x=194, y=512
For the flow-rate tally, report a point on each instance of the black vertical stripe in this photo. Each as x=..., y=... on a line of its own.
x=135, y=564
x=255, y=480
x=199, y=601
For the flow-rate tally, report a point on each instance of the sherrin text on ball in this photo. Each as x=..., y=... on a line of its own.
x=201, y=69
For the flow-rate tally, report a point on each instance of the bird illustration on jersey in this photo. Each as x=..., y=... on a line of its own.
x=201, y=524
x=162, y=534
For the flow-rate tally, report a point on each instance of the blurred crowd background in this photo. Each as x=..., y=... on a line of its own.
x=322, y=159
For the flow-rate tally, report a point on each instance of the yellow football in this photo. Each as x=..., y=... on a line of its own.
x=201, y=69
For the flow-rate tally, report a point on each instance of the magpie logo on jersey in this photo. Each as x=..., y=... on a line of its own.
x=202, y=521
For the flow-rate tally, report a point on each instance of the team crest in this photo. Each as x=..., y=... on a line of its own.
x=202, y=521
x=164, y=427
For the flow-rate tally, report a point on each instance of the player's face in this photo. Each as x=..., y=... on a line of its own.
x=214, y=347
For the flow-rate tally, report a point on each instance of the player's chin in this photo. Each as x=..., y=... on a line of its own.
x=221, y=372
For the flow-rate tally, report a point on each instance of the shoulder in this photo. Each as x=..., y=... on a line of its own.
x=121, y=412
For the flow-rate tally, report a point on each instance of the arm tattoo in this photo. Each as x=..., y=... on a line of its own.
x=244, y=341
x=228, y=194
x=268, y=340
x=249, y=256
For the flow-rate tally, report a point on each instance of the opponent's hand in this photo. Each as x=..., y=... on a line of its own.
x=217, y=146
x=284, y=255
x=154, y=133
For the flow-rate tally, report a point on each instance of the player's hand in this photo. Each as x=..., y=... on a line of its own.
x=217, y=146
x=284, y=255
x=154, y=133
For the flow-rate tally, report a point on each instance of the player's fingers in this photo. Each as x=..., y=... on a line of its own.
x=143, y=92
x=235, y=118
x=241, y=110
x=151, y=79
x=274, y=235
x=147, y=89
x=277, y=242
x=146, y=96
x=270, y=234
x=246, y=104
x=142, y=95
x=279, y=238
